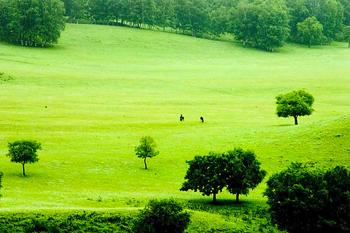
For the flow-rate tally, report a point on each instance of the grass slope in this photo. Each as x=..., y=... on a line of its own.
x=105, y=87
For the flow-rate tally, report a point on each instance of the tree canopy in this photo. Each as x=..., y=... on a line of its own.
x=24, y=152
x=303, y=198
x=162, y=216
x=146, y=149
x=237, y=170
x=310, y=31
x=242, y=171
x=294, y=104
x=205, y=175
x=35, y=23
x=264, y=24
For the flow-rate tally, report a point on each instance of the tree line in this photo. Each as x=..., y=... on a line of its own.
x=266, y=24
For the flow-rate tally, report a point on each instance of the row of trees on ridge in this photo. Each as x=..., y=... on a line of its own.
x=265, y=24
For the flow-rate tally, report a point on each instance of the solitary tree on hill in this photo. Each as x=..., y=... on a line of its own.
x=295, y=104
x=205, y=175
x=24, y=152
x=310, y=31
x=242, y=172
x=146, y=149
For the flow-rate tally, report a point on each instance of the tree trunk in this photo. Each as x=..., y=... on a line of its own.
x=237, y=198
x=23, y=170
x=145, y=162
x=214, y=198
x=296, y=120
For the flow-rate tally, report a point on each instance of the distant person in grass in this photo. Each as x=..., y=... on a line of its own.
x=182, y=118
x=146, y=149
x=202, y=119
x=24, y=152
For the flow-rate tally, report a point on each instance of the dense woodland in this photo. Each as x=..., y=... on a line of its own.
x=265, y=24
x=261, y=23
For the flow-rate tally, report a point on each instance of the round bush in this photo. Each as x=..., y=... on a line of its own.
x=164, y=216
x=306, y=199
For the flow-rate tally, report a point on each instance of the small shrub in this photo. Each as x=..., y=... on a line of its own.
x=165, y=216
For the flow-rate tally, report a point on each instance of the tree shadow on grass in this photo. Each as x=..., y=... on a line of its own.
x=226, y=206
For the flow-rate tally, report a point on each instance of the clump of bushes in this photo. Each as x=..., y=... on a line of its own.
x=62, y=223
x=305, y=199
x=164, y=216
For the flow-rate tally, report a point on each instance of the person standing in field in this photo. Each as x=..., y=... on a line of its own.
x=182, y=118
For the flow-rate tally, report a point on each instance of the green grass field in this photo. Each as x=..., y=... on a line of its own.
x=105, y=87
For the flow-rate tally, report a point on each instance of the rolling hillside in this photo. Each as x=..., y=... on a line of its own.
x=89, y=99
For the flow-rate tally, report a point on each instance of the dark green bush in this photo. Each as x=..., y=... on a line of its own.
x=305, y=199
x=65, y=223
x=164, y=216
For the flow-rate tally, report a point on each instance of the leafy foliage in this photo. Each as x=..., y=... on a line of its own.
x=295, y=104
x=262, y=24
x=242, y=172
x=35, y=23
x=146, y=149
x=329, y=13
x=237, y=170
x=310, y=31
x=24, y=152
x=347, y=34
x=305, y=199
x=205, y=174
x=164, y=216
x=65, y=222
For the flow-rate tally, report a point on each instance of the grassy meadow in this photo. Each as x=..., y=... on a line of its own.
x=90, y=98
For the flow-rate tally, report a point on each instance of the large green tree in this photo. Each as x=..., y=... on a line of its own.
x=305, y=199
x=261, y=24
x=24, y=152
x=310, y=31
x=242, y=171
x=205, y=175
x=294, y=104
x=36, y=23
